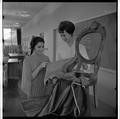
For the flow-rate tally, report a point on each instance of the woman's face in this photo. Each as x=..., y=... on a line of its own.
x=39, y=48
x=65, y=36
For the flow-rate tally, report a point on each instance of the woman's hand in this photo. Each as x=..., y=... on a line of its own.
x=69, y=75
x=53, y=77
x=85, y=81
x=43, y=64
x=36, y=71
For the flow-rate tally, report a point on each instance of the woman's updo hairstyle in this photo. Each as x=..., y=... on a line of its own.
x=35, y=40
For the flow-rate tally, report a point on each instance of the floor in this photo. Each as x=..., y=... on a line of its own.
x=12, y=107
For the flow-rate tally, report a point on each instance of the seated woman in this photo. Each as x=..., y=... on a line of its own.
x=32, y=84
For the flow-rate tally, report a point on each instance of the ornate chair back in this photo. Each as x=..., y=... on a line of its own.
x=94, y=46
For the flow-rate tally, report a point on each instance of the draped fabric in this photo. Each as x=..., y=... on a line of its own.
x=67, y=98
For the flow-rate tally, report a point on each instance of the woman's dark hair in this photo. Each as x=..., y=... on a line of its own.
x=35, y=40
x=67, y=26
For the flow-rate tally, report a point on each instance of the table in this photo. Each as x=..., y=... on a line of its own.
x=16, y=55
x=14, y=68
x=14, y=72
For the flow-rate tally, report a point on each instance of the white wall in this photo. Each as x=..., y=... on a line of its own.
x=106, y=86
x=48, y=44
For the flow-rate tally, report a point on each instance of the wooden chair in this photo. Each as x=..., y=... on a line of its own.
x=94, y=61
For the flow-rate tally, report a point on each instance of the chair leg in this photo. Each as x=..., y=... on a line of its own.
x=95, y=96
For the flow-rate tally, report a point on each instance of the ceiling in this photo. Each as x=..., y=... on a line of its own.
x=17, y=14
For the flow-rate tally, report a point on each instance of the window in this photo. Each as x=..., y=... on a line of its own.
x=10, y=36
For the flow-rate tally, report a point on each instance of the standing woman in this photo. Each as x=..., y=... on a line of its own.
x=34, y=68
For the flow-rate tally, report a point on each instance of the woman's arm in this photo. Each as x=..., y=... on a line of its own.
x=42, y=65
x=36, y=71
x=67, y=76
x=59, y=75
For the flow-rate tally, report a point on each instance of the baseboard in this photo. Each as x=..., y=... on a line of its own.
x=108, y=70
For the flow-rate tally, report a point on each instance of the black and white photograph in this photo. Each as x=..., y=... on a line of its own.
x=59, y=59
